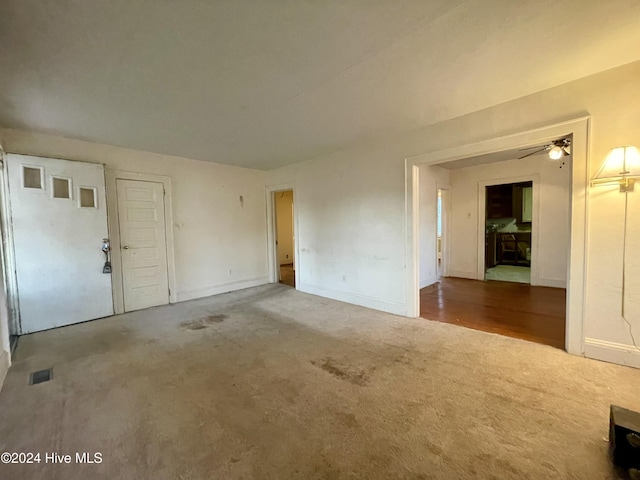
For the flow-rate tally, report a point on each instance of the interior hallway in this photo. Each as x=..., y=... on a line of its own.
x=516, y=310
x=270, y=382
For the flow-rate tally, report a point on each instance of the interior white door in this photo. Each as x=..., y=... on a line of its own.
x=145, y=279
x=59, y=220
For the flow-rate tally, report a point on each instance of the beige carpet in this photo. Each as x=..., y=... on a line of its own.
x=270, y=383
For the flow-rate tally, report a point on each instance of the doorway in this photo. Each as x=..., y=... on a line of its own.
x=58, y=224
x=578, y=131
x=508, y=236
x=285, y=237
x=441, y=232
x=141, y=226
x=143, y=245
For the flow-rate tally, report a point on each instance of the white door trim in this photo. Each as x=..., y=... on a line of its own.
x=114, y=232
x=272, y=253
x=8, y=253
x=535, y=221
x=576, y=268
x=446, y=221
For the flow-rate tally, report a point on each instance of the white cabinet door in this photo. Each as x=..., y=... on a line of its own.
x=59, y=219
x=145, y=280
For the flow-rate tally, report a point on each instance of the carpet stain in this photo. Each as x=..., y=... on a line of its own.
x=343, y=372
x=347, y=419
x=203, y=323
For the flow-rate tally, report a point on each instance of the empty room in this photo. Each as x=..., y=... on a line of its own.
x=319, y=240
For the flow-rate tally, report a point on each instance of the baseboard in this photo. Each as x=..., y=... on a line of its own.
x=429, y=283
x=185, y=295
x=547, y=282
x=5, y=363
x=395, y=308
x=461, y=274
x=540, y=282
x=618, y=353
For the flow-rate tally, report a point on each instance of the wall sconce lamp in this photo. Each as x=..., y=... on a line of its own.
x=621, y=166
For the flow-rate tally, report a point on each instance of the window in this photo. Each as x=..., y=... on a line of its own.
x=32, y=177
x=61, y=187
x=87, y=197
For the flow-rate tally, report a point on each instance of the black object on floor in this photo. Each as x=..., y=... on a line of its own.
x=624, y=437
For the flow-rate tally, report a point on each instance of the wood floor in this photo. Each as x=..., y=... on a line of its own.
x=516, y=310
x=288, y=275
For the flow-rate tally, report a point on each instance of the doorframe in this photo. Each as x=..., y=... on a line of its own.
x=445, y=199
x=272, y=253
x=576, y=265
x=8, y=251
x=534, y=178
x=111, y=178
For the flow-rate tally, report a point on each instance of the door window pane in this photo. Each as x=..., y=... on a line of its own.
x=31, y=177
x=61, y=188
x=87, y=197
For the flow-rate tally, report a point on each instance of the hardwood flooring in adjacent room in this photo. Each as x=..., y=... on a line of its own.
x=516, y=310
x=288, y=275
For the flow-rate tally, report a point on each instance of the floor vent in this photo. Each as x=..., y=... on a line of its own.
x=41, y=376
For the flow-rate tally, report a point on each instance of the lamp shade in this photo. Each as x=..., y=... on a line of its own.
x=621, y=162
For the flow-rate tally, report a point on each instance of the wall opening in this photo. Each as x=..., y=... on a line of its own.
x=508, y=232
x=440, y=232
x=285, y=237
x=571, y=169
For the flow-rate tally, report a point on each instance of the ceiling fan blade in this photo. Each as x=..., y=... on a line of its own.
x=533, y=153
x=530, y=148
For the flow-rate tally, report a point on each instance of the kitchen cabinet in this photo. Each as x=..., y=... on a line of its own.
x=500, y=201
x=511, y=200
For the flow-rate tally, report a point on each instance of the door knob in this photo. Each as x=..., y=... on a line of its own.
x=125, y=247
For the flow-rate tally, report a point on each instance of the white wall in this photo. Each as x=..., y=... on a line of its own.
x=219, y=241
x=352, y=212
x=431, y=179
x=551, y=229
x=284, y=230
x=350, y=228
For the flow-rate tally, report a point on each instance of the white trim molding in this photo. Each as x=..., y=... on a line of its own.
x=579, y=128
x=396, y=308
x=8, y=253
x=114, y=232
x=613, y=352
x=5, y=363
x=185, y=295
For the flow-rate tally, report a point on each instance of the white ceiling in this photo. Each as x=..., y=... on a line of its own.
x=267, y=83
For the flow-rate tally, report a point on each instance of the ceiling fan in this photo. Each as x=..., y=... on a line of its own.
x=556, y=149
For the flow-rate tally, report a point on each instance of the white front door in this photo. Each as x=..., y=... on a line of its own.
x=59, y=220
x=143, y=246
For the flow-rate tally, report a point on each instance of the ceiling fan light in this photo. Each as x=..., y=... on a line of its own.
x=556, y=153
